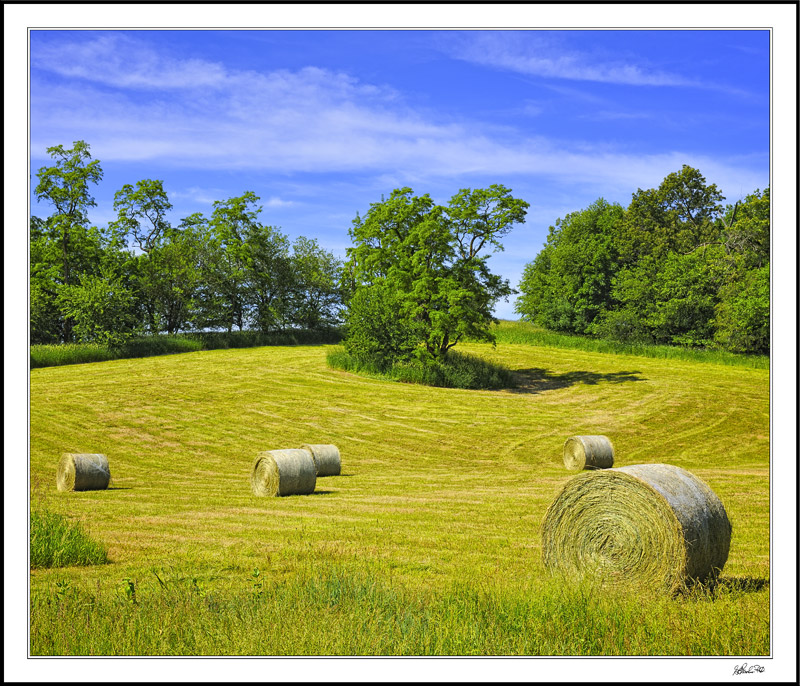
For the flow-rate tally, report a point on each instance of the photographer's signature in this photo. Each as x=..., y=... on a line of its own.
x=747, y=669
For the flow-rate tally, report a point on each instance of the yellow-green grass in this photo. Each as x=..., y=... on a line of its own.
x=441, y=496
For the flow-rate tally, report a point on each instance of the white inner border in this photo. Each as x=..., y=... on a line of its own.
x=781, y=19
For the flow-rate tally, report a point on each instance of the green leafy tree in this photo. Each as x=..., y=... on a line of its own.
x=269, y=277
x=316, y=298
x=225, y=263
x=63, y=246
x=101, y=307
x=680, y=215
x=169, y=278
x=376, y=333
x=568, y=284
x=141, y=212
x=430, y=257
x=743, y=313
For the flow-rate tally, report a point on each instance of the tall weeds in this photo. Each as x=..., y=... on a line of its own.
x=57, y=542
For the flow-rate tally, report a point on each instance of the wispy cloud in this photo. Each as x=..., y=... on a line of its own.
x=309, y=120
x=275, y=201
x=535, y=55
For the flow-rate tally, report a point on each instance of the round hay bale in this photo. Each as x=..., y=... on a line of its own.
x=326, y=457
x=283, y=472
x=588, y=452
x=654, y=525
x=82, y=472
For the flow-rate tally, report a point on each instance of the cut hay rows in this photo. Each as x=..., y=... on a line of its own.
x=283, y=472
x=82, y=472
x=326, y=457
x=588, y=452
x=653, y=525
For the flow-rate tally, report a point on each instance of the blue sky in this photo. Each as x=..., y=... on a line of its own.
x=320, y=124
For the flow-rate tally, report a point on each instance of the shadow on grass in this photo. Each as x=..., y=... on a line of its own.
x=321, y=492
x=536, y=380
x=743, y=584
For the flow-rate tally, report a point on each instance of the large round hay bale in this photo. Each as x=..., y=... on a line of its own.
x=82, y=472
x=327, y=460
x=653, y=525
x=588, y=452
x=283, y=472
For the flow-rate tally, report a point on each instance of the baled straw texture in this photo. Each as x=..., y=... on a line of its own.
x=326, y=459
x=82, y=472
x=283, y=472
x=653, y=525
x=588, y=452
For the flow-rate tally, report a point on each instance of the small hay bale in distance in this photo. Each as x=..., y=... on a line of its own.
x=283, y=472
x=83, y=472
x=650, y=525
x=588, y=452
x=326, y=457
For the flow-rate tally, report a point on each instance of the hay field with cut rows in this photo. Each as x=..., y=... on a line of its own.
x=427, y=543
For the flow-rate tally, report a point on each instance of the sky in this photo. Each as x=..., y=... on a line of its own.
x=320, y=124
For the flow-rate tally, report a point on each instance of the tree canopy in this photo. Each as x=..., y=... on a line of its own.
x=675, y=266
x=143, y=275
x=423, y=268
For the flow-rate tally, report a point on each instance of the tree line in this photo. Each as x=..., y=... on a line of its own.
x=676, y=266
x=142, y=275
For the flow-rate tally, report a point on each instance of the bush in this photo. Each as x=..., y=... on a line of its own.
x=55, y=542
x=376, y=330
x=455, y=370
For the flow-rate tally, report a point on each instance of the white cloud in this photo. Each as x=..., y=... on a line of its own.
x=310, y=120
x=536, y=54
x=275, y=201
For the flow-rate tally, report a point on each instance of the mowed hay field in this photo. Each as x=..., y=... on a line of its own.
x=429, y=540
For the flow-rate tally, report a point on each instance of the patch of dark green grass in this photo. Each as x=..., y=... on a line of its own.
x=57, y=542
x=455, y=370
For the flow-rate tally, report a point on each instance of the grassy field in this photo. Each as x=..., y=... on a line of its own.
x=428, y=543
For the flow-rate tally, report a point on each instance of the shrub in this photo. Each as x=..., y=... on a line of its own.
x=455, y=370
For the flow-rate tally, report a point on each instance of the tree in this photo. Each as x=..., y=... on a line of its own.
x=568, y=284
x=101, y=307
x=66, y=246
x=742, y=315
x=141, y=212
x=316, y=297
x=430, y=258
x=680, y=215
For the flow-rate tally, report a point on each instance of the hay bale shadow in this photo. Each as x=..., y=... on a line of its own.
x=742, y=584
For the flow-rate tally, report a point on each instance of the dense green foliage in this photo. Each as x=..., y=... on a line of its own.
x=141, y=275
x=419, y=282
x=675, y=267
x=56, y=542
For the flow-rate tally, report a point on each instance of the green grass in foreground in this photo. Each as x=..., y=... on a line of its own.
x=429, y=540
x=530, y=334
x=330, y=612
x=456, y=370
x=56, y=542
